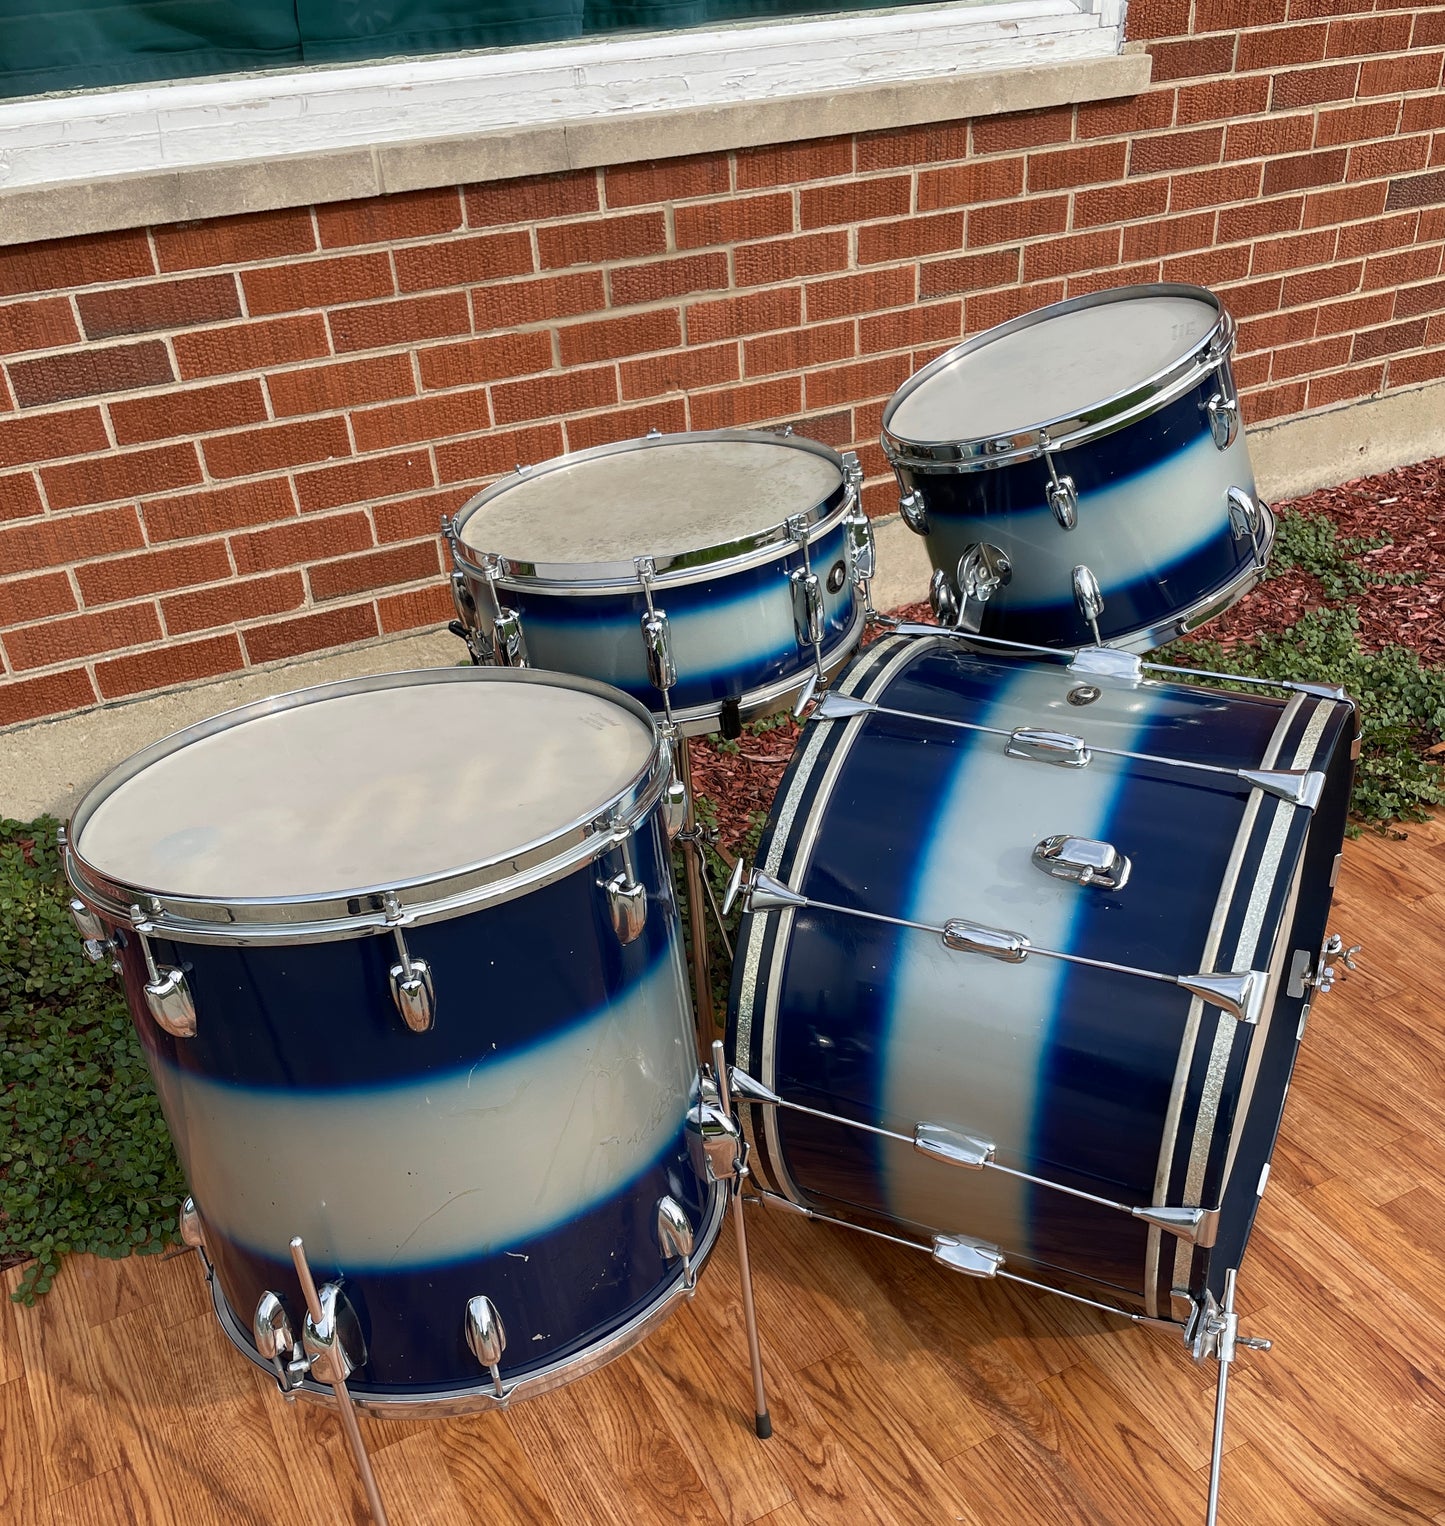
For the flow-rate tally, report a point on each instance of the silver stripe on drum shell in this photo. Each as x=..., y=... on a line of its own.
x=1225, y=899
x=1246, y=948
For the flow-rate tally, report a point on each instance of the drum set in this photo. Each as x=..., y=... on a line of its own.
x=1024, y=961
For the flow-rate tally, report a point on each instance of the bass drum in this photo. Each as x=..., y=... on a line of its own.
x=1096, y=974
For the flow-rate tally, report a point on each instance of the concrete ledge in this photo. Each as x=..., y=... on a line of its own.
x=28, y=214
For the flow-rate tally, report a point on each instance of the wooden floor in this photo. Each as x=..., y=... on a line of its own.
x=900, y=1393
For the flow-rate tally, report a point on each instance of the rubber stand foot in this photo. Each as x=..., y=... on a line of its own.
x=763, y=1425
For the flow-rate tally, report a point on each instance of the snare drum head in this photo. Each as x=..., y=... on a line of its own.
x=1053, y=364
x=365, y=784
x=664, y=497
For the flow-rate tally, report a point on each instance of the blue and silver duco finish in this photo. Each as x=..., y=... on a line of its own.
x=709, y=575
x=404, y=956
x=1029, y=950
x=1080, y=473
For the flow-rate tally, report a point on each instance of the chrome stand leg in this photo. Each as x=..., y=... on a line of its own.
x=1221, y=1334
x=696, y=907
x=335, y=1376
x=762, y=1421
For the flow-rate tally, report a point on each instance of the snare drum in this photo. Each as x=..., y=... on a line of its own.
x=1080, y=473
x=1058, y=922
x=705, y=574
x=404, y=958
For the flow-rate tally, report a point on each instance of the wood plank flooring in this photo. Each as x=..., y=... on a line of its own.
x=900, y=1394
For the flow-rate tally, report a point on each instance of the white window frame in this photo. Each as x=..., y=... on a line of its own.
x=189, y=125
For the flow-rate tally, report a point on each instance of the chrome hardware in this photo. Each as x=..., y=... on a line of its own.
x=1325, y=976
x=91, y=929
x=487, y=1338
x=807, y=606
x=469, y=619
x=805, y=695
x=1215, y=1332
x=862, y=548
x=509, y=645
x=1199, y=1226
x=657, y=639
x=1223, y=413
x=506, y=647
x=734, y=886
x=982, y=570
x=1298, y=786
x=915, y=516
x=627, y=900
x=277, y=1343
x=714, y=1142
x=1058, y=747
x=749, y=1089
x=1090, y=599
x=333, y=1341
x=955, y=1149
x=963, y=1253
x=765, y=893
x=1063, y=499
x=674, y=806
x=166, y=992
x=1245, y=518
x=1083, y=694
x=841, y=707
x=1083, y=860
x=1241, y=995
x=974, y=938
x=189, y=1226
x=1107, y=662
x=943, y=598
x=411, y=982
x=674, y=1236
x=837, y=576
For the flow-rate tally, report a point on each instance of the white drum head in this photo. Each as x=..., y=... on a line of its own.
x=363, y=788
x=660, y=498
x=1052, y=368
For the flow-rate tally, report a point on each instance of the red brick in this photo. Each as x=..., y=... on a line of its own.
x=616, y=338
x=1401, y=74
x=728, y=221
x=1175, y=150
x=350, y=482
x=418, y=516
x=1314, y=286
x=25, y=599
x=1416, y=191
x=604, y=238
x=1278, y=47
x=344, y=384
x=115, y=475
x=310, y=633
x=54, y=542
x=1209, y=267
x=1420, y=113
x=994, y=307
x=753, y=313
x=175, y=663
x=909, y=237
x=1373, y=343
x=33, y=698
x=783, y=259
x=1275, y=329
x=1368, y=34
x=1164, y=18
x=462, y=261
x=38, y=325
x=1012, y=221
x=1077, y=251
x=1069, y=168
x=1410, y=300
x=868, y=292
x=1432, y=223
x=1355, y=124
x=193, y=411
x=45, y=437
x=550, y=396
x=1429, y=29
x=1166, y=235
x=1372, y=237
x=958, y=185
x=659, y=279
x=1319, y=355
x=903, y=147
x=928, y=324
x=835, y=429
x=667, y=416
x=388, y=219
x=487, y=455
x=743, y=407
x=1231, y=15
x=158, y=305
x=404, y=321
x=427, y=418
x=1135, y=114
x=371, y=570
x=1214, y=188
x=1347, y=204
x=276, y=447
x=19, y=497
x=1308, y=87
x=56, y=264
x=1025, y=129
x=311, y=539
x=1269, y=136
x=1302, y=170
x=251, y=346
x=74, y=636
x=794, y=163
x=856, y=201
x=1192, y=59
x=316, y=283
x=1253, y=297
x=241, y=599
x=850, y=384
x=1121, y=203
x=1303, y=10
x=532, y=199
x=1386, y=270
x=1357, y=312
x=1121, y=275
x=1273, y=402
x=90, y=372
x=659, y=180
x=1223, y=100
x=1344, y=386
x=1294, y=251
x=1397, y=156
x=683, y=370
x=816, y=345
x=132, y=577
x=1410, y=370
x=227, y=508
x=518, y=302
x=235, y=240
x=1258, y=218
x=482, y=360
x=415, y=608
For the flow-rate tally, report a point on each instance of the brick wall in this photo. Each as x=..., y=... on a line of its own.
x=226, y=443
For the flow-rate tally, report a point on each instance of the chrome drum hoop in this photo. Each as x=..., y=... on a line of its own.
x=1106, y=416
x=480, y=1397
x=339, y=915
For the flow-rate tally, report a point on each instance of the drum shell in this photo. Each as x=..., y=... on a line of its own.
x=1115, y=1085
x=422, y=1169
